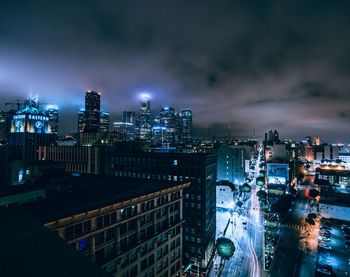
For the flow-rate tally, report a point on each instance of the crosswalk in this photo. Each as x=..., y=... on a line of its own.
x=292, y=226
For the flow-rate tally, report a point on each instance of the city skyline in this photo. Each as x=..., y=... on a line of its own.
x=243, y=65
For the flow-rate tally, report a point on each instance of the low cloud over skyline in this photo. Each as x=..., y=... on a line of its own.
x=244, y=65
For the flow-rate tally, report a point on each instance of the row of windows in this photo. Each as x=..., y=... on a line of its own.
x=80, y=229
x=108, y=252
x=158, y=161
x=193, y=205
x=77, y=230
x=193, y=231
x=193, y=196
x=193, y=239
x=154, y=176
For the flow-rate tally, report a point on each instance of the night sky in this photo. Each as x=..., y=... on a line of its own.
x=251, y=64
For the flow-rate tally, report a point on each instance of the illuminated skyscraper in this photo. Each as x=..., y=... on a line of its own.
x=92, y=111
x=125, y=131
x=168, y=121
x=30, y=128
x=145, y=118
x=104, y=122
x=52, y=112
x=129, y=117
x=231, y=164
x=186, y=125
x=81, y=120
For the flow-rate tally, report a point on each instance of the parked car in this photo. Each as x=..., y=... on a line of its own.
x=347, y=243
x=346, y=231
x=324, y=227
x=325, y=246
x=323, y=239
x=325, y=232
x=344, y=226
x=323, y=272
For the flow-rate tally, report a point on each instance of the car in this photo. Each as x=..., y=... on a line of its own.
x=346, y=231
x=325, y=261
x=324, y=246
x=326, y=228
x=347, y=244
x=322, y=272
x=323, y=239
x=325, y=266
x=326, y=236
x=343, y=226
x=325, y=232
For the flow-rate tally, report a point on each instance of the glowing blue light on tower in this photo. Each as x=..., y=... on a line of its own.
x=145, y=96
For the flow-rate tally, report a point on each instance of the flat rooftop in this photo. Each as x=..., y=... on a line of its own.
x=29, y=249
x=89, y=192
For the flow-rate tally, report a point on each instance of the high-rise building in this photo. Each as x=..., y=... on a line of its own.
x=199, y=201
x=104, y=122
x=231, y=164
x=128, y=227
x=52, y=112
x=30, y=128
x=271, y=137
x=92, y=111
x=129, y=117
x=168, y=120
x=159, y=134
x=125, y=131
x=186, y=125
x=145, y=118
x=326, y=152
x=81, y=120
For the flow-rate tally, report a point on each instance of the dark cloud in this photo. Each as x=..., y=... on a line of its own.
x=260, y=64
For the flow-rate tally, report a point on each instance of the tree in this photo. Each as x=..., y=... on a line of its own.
x=261, y=194
x=245, y=188
x=260, y=181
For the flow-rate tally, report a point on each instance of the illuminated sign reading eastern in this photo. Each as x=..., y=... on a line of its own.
x=30, y=120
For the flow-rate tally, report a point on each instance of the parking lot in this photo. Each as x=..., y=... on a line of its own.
x=334, y=248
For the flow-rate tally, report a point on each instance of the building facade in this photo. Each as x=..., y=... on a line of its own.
x=52, y=112
x=125, y=131
x=104, y=122
x=145, y=121
x=231, y=164
x=30, y=128
x=186, y=125
x=129, y=117
x=138, y=233
x=80, y=159
x=92, y=111
x=199, y=201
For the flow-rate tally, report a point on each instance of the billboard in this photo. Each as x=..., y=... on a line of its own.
x=277, y=174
